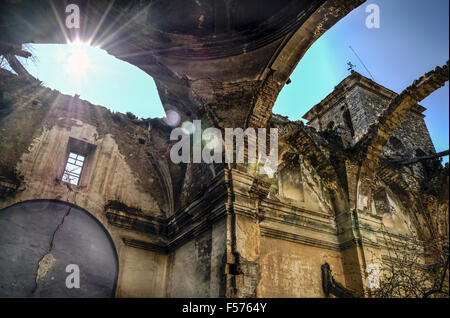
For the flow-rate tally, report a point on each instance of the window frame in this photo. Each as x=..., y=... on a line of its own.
x=75, y=163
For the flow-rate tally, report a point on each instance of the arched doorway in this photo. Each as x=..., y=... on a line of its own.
x=39, y=240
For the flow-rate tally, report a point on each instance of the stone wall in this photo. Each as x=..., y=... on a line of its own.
x=365, y=100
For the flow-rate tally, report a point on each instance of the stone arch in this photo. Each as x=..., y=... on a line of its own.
x=378, y=134
x=44, y=237
x=290, y=52
x=348, y=121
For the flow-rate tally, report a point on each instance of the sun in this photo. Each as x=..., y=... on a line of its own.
x=78, y=61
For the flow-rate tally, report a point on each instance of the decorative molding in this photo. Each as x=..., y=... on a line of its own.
x=145, y=245
x=7, y=186
x=296, y=238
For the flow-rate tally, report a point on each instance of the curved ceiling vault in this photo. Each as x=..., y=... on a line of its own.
x=224, y=59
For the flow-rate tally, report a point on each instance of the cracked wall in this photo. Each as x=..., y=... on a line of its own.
x=40, y=238
x=40, y=126
x=199, y=230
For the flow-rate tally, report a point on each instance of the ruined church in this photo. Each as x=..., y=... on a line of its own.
x=360, y=167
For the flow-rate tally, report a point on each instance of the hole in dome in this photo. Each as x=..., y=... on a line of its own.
x=96, y=76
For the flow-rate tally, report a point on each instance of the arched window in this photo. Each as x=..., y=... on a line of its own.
x=420, y=153
x=348, y=122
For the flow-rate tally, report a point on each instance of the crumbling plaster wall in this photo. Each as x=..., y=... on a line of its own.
x=32, y=113
x=196, y=180
x=143, y=273
x=196, y=269
x=189, y=265
x=193, y=269
x=395, y=215
x=290, y=269
x=202, y=265
x=110, y=177
x=302, y=186
x=33, y=142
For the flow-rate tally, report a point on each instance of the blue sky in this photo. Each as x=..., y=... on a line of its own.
x=412, y=39
x=96, y=76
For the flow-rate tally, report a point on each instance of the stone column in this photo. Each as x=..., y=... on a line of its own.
x=243, y=239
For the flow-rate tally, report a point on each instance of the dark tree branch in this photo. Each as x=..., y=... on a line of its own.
x=441, y=284
x=22, y=53
x=418, y=159
x=17, y=66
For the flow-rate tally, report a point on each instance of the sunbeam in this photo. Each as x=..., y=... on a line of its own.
x=88, y=71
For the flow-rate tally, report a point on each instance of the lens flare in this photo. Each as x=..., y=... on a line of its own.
x=172, y=118
x=78, y=61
